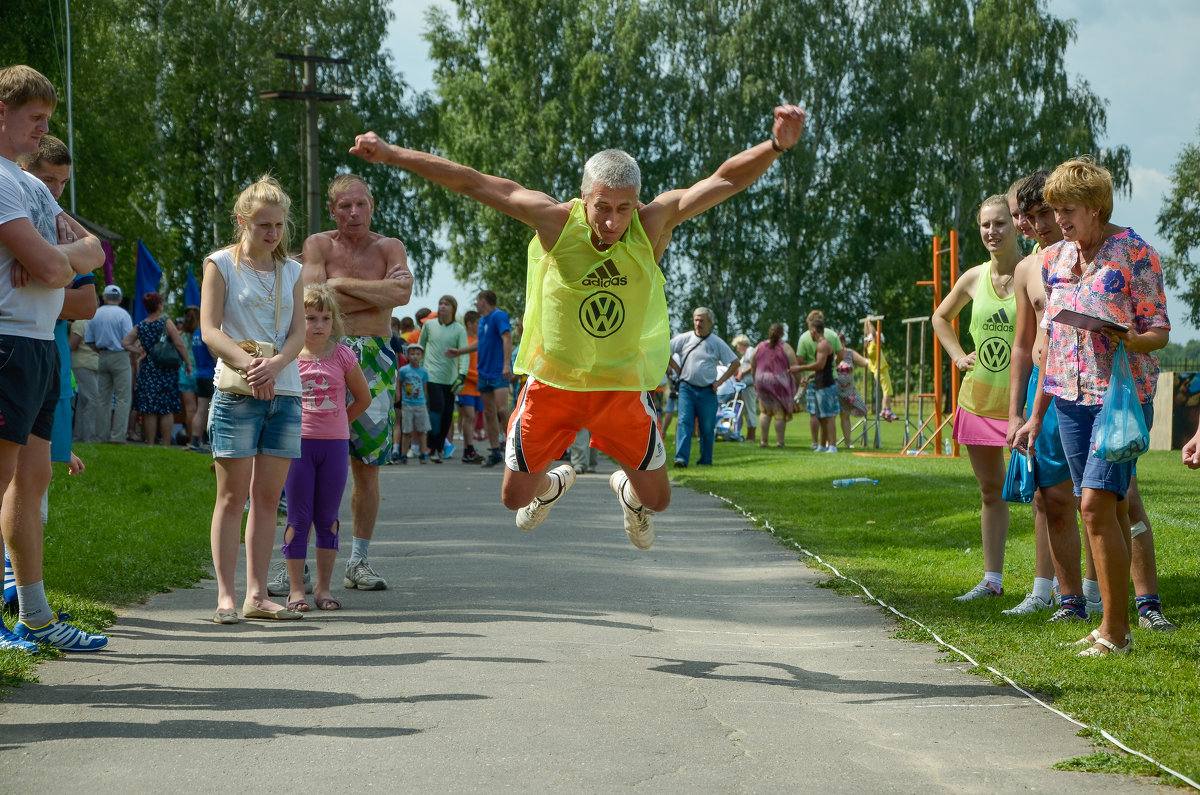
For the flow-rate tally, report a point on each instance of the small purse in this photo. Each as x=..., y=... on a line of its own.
x=163, y=353
x=233, y=380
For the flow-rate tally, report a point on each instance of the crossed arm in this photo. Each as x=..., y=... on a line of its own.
x=53, y=265
x=357, y=295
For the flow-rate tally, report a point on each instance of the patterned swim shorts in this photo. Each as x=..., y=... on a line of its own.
x=371, y=433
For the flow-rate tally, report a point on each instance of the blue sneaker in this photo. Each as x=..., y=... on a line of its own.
x=447, y=450
x=61, y=636
x=10, y=641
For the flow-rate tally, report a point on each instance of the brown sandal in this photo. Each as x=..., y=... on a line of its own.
x=328, y=603
x=298, y=606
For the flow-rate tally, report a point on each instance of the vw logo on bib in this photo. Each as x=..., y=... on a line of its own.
x=602, y=314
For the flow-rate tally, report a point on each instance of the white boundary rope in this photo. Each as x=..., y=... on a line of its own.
x=1103, y=733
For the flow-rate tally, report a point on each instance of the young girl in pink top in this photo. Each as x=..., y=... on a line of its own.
x=317, y=478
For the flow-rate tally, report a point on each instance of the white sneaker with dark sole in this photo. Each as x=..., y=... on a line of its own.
x=536, y=512
x=1030, y=604
x=361, y=576
x=639, y=521
x=1155, y=620
x=280, y=584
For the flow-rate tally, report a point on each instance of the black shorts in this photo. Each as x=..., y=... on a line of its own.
x=28, y=388
x=204, y=388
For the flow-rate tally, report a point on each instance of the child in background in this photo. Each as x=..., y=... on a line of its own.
x=317, y=478
x=470, y=404
x=414, y=416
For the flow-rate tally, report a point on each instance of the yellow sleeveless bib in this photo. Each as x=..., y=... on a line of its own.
x=595, y=320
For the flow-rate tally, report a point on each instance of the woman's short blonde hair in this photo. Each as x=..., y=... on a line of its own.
x=1081, y=181
x=321, y=298
x=740, y=339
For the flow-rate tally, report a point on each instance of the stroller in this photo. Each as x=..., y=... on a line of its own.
x=730, y=411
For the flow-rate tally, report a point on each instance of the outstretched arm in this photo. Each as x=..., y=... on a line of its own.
x=661, y=216
x=530, y=207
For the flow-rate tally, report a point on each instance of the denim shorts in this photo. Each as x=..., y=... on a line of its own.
x=240, y=426
x=1077, y=426
x=491, y=384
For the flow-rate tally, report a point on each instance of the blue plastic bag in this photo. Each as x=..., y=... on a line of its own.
x=1121, y=435
x=1019, y=483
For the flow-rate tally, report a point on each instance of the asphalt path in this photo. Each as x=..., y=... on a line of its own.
x=562, y=659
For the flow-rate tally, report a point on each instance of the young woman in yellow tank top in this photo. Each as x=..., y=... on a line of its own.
x=981, y=421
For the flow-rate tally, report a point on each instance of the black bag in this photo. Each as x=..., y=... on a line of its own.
x=163, y=353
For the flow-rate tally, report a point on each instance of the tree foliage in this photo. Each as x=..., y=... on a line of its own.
x=918, y=110
x=169, y=126
x=1179, y=223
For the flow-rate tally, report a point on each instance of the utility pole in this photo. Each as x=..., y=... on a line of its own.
x=311, y=97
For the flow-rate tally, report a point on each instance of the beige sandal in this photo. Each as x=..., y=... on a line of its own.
x=1112, y=648
x=1087, y=640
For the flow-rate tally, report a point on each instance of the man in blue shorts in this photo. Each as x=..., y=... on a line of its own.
x=494, y=345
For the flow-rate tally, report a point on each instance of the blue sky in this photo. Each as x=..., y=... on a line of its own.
x=1141, y=57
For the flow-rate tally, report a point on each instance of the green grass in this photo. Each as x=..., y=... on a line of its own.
x=913, y=541
x=135, y=523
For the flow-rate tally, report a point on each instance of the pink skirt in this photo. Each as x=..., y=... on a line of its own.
x=983, y=431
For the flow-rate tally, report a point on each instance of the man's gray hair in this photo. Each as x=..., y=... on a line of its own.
x=704, y=310
x=612, y=168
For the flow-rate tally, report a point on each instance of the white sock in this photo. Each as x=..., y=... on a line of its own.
x=627, y=495
x=1091, y=590
x=553, y=490
x=1043, y=588
x=35, y=610
x=995, y=578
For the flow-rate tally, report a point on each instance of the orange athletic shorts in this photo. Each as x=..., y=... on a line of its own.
x=624, y=425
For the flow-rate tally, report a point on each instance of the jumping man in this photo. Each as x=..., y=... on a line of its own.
x=596, y=327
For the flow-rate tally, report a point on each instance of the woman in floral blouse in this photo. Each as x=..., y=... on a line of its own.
x=1108, y=271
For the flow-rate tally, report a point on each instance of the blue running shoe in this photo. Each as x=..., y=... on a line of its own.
x=10, y=641
x=61, y=636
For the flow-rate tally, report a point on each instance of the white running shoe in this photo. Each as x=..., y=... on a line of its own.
x=536, y=512
x=639, y=521
x=981, y=590
x=1030, y=604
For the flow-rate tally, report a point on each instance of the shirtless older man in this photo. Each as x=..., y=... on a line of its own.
x=369, y=273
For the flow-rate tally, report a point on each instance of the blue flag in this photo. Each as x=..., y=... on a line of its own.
x=191, y=293
x=146, y=280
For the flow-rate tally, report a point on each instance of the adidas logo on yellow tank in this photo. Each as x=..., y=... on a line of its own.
x=605, y=275
x=998, y=322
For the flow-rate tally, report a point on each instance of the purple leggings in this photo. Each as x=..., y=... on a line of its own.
x=315, y=484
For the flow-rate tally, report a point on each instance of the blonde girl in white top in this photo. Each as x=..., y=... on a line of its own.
x=254, y=437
